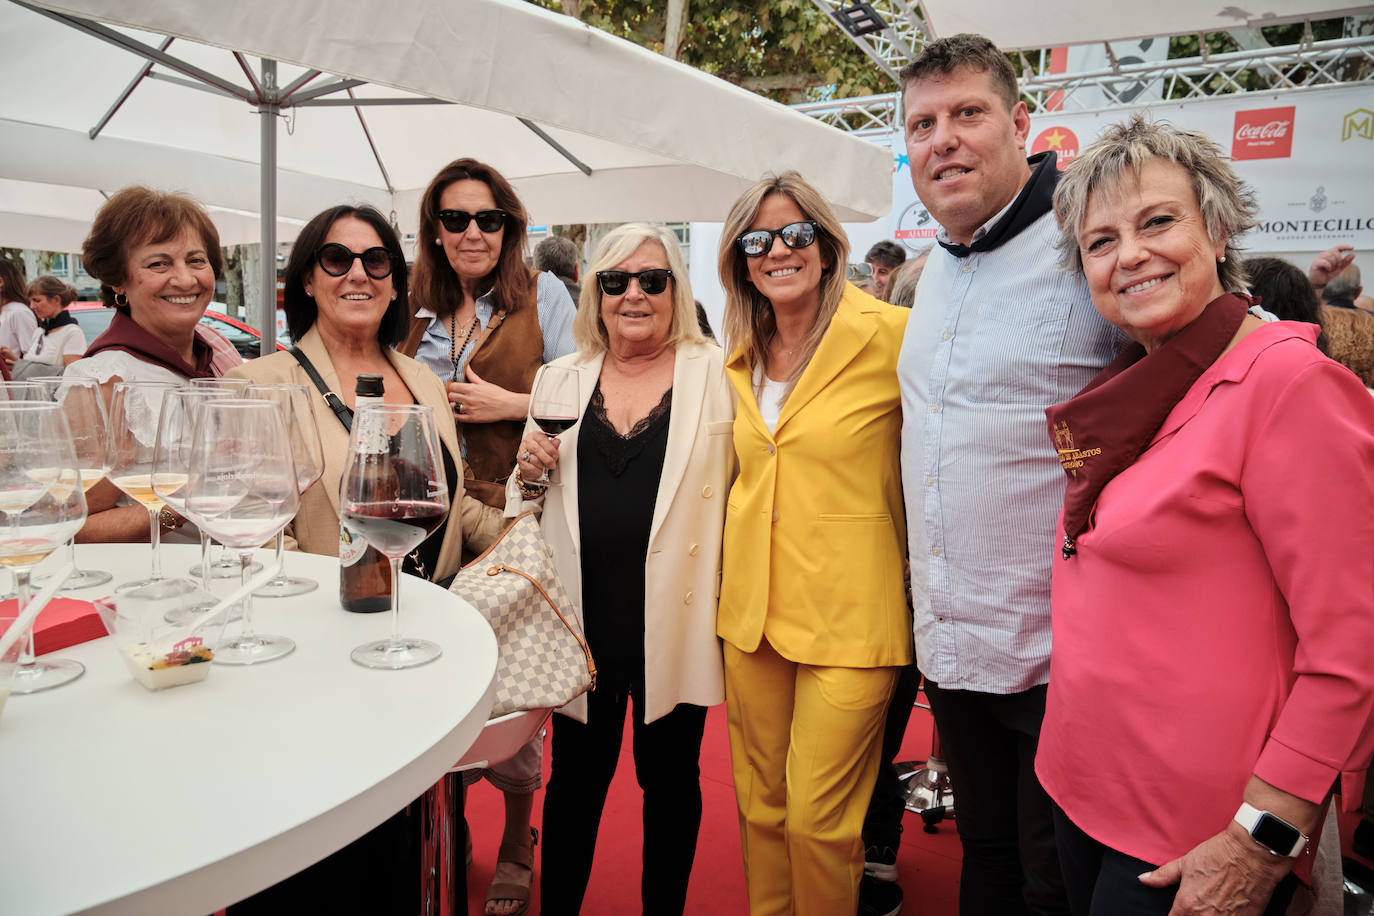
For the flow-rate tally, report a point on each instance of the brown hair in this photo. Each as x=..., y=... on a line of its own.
x=749, y=320
x=946, y=55
x=11, y=281
x=436, y=285
x=50, y=286
x=141, y=216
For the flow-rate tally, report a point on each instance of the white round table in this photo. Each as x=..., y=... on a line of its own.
x=116, y=799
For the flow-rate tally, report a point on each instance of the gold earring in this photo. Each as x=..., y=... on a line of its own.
x=121, y=300
x=1221, y=260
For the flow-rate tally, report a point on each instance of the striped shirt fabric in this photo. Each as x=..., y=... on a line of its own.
x=994, y=339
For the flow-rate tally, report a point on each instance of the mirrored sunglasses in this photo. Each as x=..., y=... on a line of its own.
x=487, y=220
x=758, y=243
x=337, y=260
x=616, y=282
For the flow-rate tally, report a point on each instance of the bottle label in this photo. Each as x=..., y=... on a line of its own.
x=352, y=546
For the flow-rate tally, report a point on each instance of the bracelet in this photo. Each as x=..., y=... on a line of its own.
x=530, y=490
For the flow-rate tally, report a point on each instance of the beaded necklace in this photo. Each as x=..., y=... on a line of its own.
x=455, y=352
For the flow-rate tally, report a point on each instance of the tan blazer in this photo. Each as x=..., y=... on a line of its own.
x=316, y=527
x=682, y=656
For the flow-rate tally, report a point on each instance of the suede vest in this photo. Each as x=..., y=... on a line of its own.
x=508, y=353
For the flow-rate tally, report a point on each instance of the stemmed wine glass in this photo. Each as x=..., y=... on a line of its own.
x=135, y=409
x=41, y=505
x=554, y=405
x=225, y=565
x=308, y=453
x=241, y=488
x=84, y=406
x=393, y=492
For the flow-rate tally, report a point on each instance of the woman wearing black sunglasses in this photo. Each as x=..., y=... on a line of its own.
x=812, y=609
x=485, y=323
x=635, y=529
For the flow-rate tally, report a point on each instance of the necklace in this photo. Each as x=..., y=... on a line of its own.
x=775, y=341
x=455, y=352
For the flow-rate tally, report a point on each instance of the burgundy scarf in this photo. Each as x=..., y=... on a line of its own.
x=1104, y=428
x=128, y=335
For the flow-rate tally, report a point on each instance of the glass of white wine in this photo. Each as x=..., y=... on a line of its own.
x=82, y=402
x=135, y=410
x=41, y=506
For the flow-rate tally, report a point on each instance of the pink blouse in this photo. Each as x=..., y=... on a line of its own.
x=1218, y=620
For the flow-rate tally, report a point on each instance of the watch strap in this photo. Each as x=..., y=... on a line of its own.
x=1251, y=818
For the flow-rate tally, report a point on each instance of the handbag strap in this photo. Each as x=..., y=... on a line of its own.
x=335, y=403
x=586, y=650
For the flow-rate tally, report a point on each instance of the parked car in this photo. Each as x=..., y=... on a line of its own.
x=94, y=318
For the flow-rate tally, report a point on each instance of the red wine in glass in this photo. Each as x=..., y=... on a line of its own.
x=397, y=527
x=552, y=426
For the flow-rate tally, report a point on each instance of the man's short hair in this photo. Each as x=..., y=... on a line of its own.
x=887, y=253
x=556, y=254
x=946, y=55
x=1345, y=285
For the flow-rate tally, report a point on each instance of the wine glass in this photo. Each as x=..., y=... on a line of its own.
x=241, y=487
x=554, y=405
x=308, y=453
x=394, y=494
x=41, y=506
x=22, y=391
x=135, y=409
x=233, y=387
x=84, y=405
x=225, y=566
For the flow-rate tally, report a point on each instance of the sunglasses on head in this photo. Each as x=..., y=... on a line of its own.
x=487, y=220
x=758, y=243
x=616, y=282
x=337, y=260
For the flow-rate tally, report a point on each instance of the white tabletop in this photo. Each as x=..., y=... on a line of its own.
x=116, y=799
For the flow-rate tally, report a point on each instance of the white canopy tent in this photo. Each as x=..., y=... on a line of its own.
x=589, y=128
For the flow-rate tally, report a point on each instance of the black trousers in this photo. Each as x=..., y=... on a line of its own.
x=883, y=822
x=667, y=755
x=1011, y=864
x=1104, y=882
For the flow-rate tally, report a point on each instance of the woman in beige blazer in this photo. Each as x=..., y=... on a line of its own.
x=635, y=528
x=345, y=325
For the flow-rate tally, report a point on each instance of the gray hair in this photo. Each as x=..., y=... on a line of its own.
x=1227, y=204
x=556, y=254
x=1345, y=285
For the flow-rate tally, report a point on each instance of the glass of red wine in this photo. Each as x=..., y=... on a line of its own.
x=554, y=405
x=394, y=494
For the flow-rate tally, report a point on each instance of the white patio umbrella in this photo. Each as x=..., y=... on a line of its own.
x=589, y=128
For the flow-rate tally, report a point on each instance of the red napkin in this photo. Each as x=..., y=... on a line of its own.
x=64, y=622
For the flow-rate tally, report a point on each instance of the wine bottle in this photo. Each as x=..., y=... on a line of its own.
x=365, y=573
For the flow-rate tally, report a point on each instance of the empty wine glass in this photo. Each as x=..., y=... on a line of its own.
x=233, y=387
x=308, y=454
x=554, y=405
x=393, y=493
x=41, y=506
x=225, y=565
x=135, y=408
x=241, y=488
x=84, y=405
x=22, y=391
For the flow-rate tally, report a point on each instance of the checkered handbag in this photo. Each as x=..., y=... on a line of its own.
x=545, y=661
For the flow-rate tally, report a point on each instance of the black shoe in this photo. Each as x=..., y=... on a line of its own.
x=1363, y=840
x=881, y=862
x=879, y=898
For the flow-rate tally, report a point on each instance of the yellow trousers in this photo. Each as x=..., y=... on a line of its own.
x=805, y=744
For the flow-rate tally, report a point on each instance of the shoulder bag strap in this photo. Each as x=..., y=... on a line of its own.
x=335, y=403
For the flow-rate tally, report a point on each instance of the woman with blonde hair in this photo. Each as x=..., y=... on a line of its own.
x=812, y=608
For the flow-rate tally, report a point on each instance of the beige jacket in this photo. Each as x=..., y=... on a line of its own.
x=682, y=656
x=316, y=526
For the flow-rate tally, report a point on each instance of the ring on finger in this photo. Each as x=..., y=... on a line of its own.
x=459, y=408
x=525, y=455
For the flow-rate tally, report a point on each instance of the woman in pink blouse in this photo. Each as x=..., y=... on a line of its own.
x=1213, y=671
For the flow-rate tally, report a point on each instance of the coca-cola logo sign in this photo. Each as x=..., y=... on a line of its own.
x=1264, y=133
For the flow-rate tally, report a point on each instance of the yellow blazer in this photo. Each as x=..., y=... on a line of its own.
x=682, y=657
x=815, y=533
x=316, y=526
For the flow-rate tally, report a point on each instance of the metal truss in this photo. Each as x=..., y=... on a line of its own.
x=899, y=42
x=1335, y=62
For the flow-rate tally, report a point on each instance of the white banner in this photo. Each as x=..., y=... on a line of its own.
x=1306, y=155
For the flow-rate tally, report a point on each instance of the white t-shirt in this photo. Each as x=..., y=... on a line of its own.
x=51, y=347
x=770, y=399
x=17, y=325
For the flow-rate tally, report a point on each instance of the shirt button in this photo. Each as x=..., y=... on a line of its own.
x=930, y=481
x=968, y=266
x=692, y=551
x=772, y=449
x=687, y=598
x=935, y=551
x=775, y=515
x=946, y=336
x=934, y=408
x=706, y=491
x=940, y=619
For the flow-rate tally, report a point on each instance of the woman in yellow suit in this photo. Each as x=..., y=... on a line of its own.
x=812, y=609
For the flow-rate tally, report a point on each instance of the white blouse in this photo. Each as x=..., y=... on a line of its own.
x=51, y=347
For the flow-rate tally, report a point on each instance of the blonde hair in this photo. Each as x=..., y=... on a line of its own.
x=589, y=331
x=749, y=319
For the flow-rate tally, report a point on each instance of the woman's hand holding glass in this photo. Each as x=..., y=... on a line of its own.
x=294, y=401
x=554, y=406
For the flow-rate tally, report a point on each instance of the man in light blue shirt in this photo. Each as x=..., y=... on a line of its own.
x=998, y=333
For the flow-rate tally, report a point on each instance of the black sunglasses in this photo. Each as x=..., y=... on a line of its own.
x=651, y=282
x=487, y=220
x=758, y=243
x=337, y=260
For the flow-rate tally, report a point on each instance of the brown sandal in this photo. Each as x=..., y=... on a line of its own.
x=523, y=856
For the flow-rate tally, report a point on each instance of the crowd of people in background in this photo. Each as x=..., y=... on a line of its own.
x=1093, y=481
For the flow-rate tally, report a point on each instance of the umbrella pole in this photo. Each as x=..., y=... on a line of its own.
x=267, y=114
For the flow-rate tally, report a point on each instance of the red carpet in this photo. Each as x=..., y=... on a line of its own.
x=929, y=863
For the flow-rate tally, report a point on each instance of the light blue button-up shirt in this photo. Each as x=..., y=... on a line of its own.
x=994, y=339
